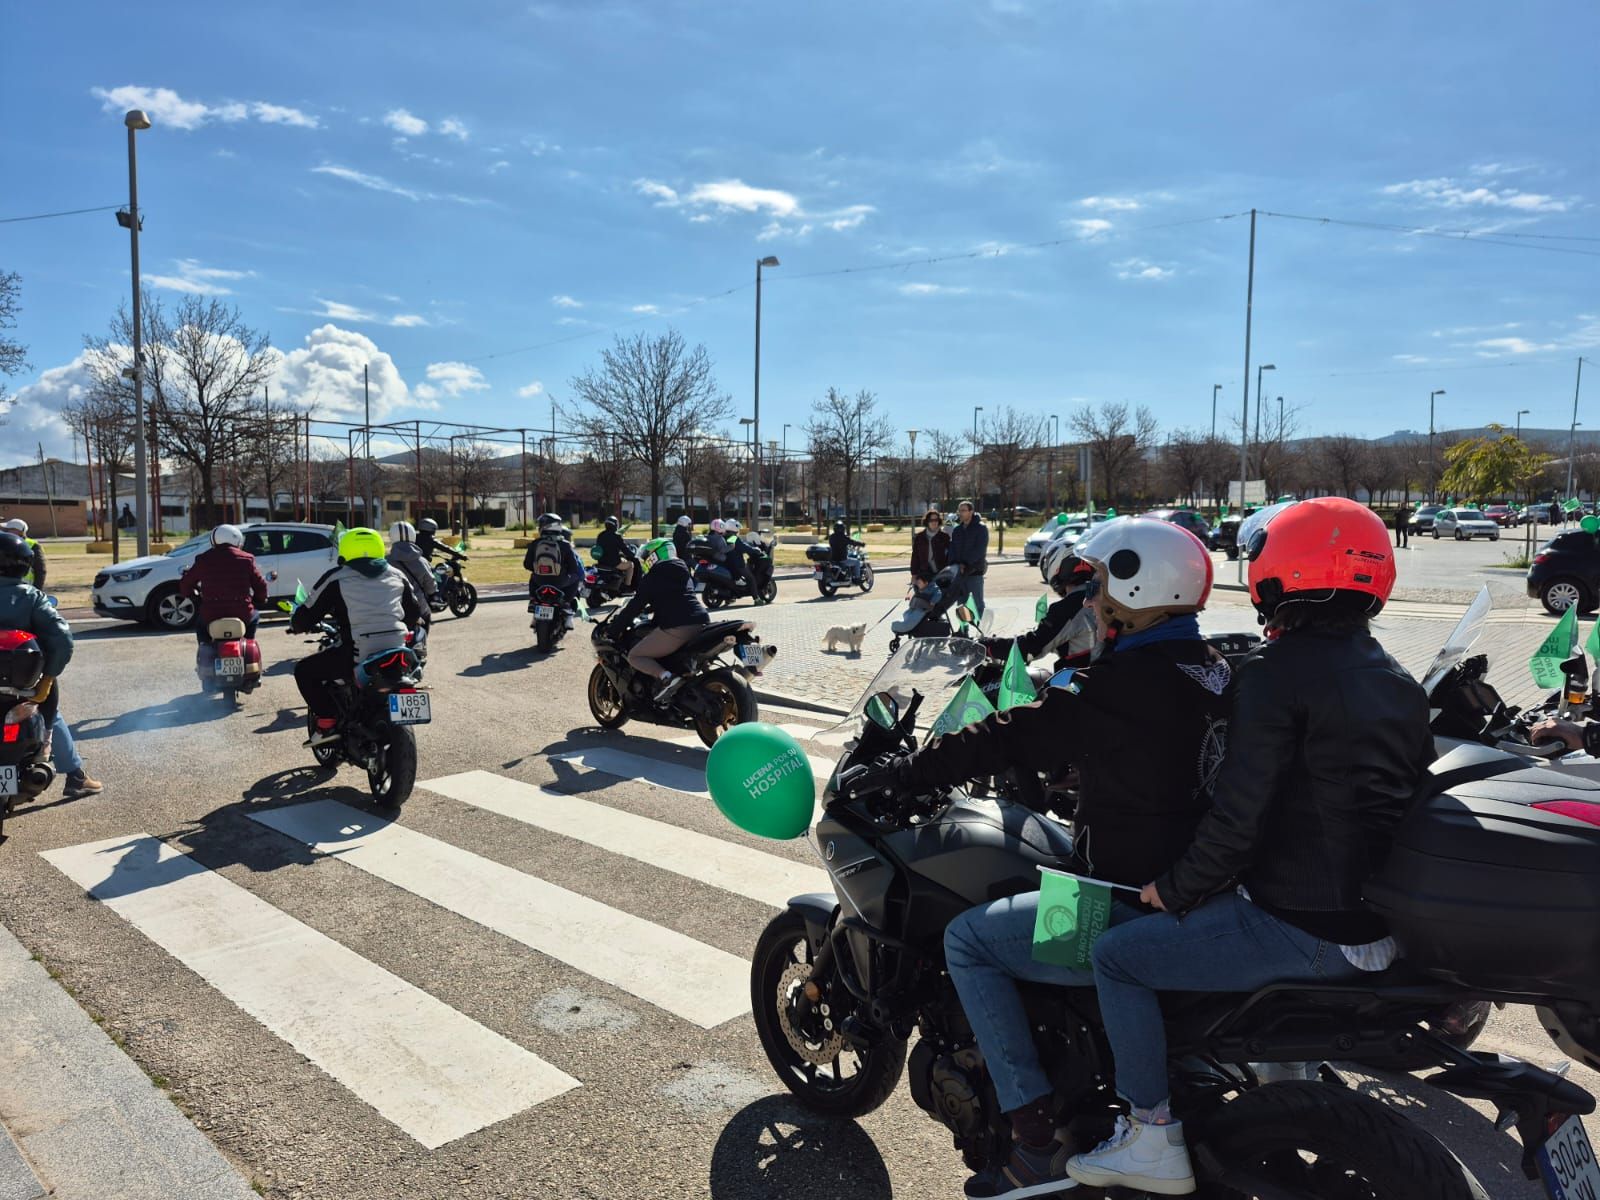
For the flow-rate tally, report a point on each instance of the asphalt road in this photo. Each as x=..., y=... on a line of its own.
x=604, y=1052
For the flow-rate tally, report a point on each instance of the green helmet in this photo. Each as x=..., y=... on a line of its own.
x=360, y=543
x=654, y=551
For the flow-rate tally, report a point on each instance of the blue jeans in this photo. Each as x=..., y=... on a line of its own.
x=1225, y=945
x=63, y=750
x=988, y=948
x=969, y=589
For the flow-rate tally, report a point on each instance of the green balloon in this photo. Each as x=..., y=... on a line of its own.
x=1590, y=524
x=761, y=780
x=1061, y=518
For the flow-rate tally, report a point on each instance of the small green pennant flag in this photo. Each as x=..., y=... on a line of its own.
x=1572, y=504
x=338, y=530
x=1073, y=912
x=461, y=545
x=1015, y=686
x=583, y=610
x=1041, y=608
x=299, y=593
x=1545, y=665
x=967, y=707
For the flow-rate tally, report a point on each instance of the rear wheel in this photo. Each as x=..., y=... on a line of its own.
x=714, y=598
x=544, y=635
x=463, y=599
x=605, y=702
x=1558, y=595
x=826, y=587
x=394, y=773
x=867, y=578
x=825, y=1074
x=168, y=610
x=734, y=701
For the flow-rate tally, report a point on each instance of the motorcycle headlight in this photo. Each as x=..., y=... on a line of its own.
x=129, y=576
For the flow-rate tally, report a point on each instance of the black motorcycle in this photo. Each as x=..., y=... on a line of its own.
x=715, y=695
x=455, y=593
x=715, y=582
x=25, y=769
x=830, y=576
x=554, y=612
x=376, y=711
x=840, y=982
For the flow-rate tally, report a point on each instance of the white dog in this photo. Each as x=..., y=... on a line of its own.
x=851, y=635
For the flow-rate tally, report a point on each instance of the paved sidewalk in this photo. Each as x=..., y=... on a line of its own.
x=78, y=1120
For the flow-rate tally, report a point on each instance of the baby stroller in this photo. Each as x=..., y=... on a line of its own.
x=925, y=615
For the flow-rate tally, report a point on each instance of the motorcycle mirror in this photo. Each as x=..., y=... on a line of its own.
x=51, y=601
x=883, y=710
x=1063, y=678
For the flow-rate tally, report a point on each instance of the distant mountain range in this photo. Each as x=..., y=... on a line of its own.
x=1556, y=438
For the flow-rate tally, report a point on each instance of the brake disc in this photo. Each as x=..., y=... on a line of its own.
x=818, y=1054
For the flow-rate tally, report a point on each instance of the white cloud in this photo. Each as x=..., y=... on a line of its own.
x=658, y=192
x=197, y=279
x=1495, y=347
x=1411, y=358
x=346, y=312
x=500, y=165
x=565, y=301
x=1453, y=193
x=35, y=412
x=376, y=183
x=279, y=114
x=451, y=127
x=454, y=378
x=645, y=309
x=1109, y=203
x=1091, y=227
x=1139, y=269
x=408, y=320
x=166, y=108
x=929, y=289
x=404, y=123
x=849, y=218
x=231, y=112
x=704, y=201
x=325, y=374
x=734, y=195
x=530, y=390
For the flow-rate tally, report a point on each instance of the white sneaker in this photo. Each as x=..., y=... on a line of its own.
x=1152, y=1157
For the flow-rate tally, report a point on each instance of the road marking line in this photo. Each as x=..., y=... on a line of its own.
x=668, y=969
x=805, y=714
x=675, y=776
x=710, y=860
x=432, y=1071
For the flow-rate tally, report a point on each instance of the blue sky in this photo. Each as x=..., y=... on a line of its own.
x=433, y=188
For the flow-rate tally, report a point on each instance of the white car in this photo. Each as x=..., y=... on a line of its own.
x=146, y=589
x=1033, y=548
x=1464, y=524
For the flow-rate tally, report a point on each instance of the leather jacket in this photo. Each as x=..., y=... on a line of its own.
x=1328, y=743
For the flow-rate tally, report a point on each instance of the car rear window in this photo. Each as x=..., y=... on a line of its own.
x=1576, y=540
x=1468, y=514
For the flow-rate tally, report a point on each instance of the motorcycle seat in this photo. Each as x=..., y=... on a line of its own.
x=225, y=629
x=714, y=633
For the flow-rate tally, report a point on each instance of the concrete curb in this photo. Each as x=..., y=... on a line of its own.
x=799, y=702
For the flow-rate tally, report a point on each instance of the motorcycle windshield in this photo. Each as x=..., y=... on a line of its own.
x=934, y=667
x=1460, y=641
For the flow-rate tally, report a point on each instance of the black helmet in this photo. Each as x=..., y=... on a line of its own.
x=611, y=522
x=16, y=557
x=427, y=525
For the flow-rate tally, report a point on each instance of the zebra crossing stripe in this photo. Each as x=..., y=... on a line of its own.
x=710, y=860
x=432, y=1071
x=668, y=969
x=675, y=776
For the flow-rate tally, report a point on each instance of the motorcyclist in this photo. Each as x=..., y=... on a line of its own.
x=738, y=563
x=682, y=535
x=373, y=604
x=1143, y=789
x=1328, y=743
x=225, y=582
x=1068, y=624
x=23, y=606
x=405, y=553
x=615, y=554
x=552, y=562
x=840, y=544
x=36, y=573
x=427, y=539
x=666, y=591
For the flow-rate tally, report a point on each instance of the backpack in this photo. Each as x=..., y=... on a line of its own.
x=547, y=558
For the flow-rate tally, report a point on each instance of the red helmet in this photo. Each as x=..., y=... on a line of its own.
x=1318, y=548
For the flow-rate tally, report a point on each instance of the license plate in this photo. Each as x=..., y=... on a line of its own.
x=751, y=654
x=230, y=666
x=410, y=708
x=1567, y=1164
x=8, y=781
x=544, y=612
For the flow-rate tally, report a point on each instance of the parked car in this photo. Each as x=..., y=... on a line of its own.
x=1033, y=548
x=1422, y=520
x=1185, y=518
x=146, y=589
x=1225, y=536
x=1543, y=514
x=1566, y=571
x=1464, y=524
x=1500, y=514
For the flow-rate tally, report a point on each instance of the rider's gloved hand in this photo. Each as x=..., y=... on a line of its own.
x=42, y=692
x=885, y=776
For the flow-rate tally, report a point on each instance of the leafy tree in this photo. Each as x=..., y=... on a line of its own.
x=1503, y=465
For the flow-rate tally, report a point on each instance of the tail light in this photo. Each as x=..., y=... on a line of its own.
x=1579, y=810
x=14, y=639
x=230, y=649
x=16, y=717
x=1541, y=557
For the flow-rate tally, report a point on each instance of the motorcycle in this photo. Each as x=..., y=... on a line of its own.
x=605, y=583
x=830, y=576
x=717, y=586
x=840, y=981
x=376, y=713
x=455, y=593
x=229, y=661
x=715, y=695
x=25, y=770
x=554, y=612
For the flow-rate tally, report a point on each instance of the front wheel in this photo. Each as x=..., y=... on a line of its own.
x=168, y=609
x=1309, y=1139
x=733, y=701
x=609, y=707
x=813, y=1061
x=1435, y=533
x=463, y=599
x=769, y=591
x=393, y=773
x=867, y=578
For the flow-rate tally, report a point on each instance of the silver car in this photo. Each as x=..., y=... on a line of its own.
x=1464, y=524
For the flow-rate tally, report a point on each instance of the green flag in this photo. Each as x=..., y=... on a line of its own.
x=461, y=545
x=1222, y=512
x=1572, y=504
x=299, y=593
x=1015, y=686
x=1545, y=665
x=1041, y=608
x=338, y=530
x=583, y=610
x=967, y=707
x=1073, y=912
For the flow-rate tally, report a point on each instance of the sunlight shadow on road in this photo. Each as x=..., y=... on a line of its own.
x=774, y=1148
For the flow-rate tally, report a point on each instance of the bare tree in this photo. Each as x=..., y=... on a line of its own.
x=899, y=475
x=653, y=393
x=1187, y=461
x=845, y=433
x=329, y=475
x=604, y=465
x=725, y=475
x=1118, y=440
x=1340, y=462
x=1012, y=443
x=13, y=354
x=479, y=474
x=945, y=462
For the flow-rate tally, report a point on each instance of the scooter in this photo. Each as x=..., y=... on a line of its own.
x=25, y=769
x=229, y=662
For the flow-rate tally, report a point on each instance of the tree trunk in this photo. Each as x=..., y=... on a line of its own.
x=655, y=498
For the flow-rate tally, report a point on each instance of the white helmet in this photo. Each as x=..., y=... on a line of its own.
x=732, y=525
x=403, y=531
x=685, y=521
x=1153, y=569
x=227, y=535
x=717, y=526
x=17, y=526
x=1061, y=564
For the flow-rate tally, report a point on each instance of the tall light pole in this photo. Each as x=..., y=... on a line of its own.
x=977, y=500
x=1050, y=462
x=1572, y=437
x=1264, y=367
x=755, y=461
x=784, y=470
x=1215, y=388
x=1431, y=395
x=911, y=436
x=1521, y=412
x=135, y=121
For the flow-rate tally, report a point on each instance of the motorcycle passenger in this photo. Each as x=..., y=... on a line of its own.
x=1068, y=625
x=372, y=602
x=1136, y=810
x=615, y=553
x=36, y=573
x=23, y=606
x=1329, y=741
x=682, y=535
x=666, y=591
x=840, y=543
x=224, y=581
x=552, y=562
x=738, y=565
x=405, y=553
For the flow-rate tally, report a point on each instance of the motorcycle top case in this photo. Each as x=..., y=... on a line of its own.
x=1484, y=889
x=818, y=553
x=21, y=662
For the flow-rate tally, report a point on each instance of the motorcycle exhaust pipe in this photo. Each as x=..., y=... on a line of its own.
x=37, y=777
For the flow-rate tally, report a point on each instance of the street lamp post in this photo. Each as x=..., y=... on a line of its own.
x=784, y=471
x=1521, y=412
x=755, y=462
x=1215, y=388
x=1264, y=367
x=1431, y=498
x=911, y=436
x=745, y=424
x=135, y=121
x=977, y=500
x=1572, y=436
x=1050, y=463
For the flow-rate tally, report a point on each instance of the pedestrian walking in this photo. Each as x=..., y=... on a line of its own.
x=930, y=546
x=1402, y=526
x=969, y=548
